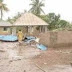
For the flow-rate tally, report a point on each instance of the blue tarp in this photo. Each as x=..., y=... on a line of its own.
x=42, y=47
x=8, y=38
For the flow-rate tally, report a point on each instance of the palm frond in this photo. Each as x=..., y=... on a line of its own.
x=37, y=7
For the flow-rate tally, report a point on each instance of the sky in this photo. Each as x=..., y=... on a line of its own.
x=62, y=7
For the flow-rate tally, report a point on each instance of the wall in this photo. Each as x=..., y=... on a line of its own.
x=2, y=32
x=56, y=39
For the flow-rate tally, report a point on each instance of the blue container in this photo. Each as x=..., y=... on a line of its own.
x=1, y=37
x=9, y=38
x=42, y=47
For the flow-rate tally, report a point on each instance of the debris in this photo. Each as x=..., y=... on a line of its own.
x=39, y=68
x=37, y=40
x=28, y=39
x=16, y=58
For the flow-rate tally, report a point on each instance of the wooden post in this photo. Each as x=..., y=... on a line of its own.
x=40, y=28
x=28, y=29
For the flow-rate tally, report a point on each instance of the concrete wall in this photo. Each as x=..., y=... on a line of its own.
x=64, y=37
x=56, y=39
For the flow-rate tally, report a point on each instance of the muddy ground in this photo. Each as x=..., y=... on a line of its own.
x=28, y=58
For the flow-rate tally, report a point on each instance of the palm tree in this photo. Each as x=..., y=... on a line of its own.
x=36, y=7
x=2, y=8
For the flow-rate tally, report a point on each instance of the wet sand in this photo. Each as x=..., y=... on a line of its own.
x=26, y=58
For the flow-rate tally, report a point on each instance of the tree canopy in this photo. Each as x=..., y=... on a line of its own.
x=54, y=21
x=36, y=7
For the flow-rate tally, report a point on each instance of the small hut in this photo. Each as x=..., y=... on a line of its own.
x=30, y=22
x=5, y=27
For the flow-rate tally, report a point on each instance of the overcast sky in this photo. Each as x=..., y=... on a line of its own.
x=62, y=7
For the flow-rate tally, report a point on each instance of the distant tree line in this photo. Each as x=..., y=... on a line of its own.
x=54, y=21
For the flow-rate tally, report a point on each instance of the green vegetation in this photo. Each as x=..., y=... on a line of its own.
x=12, y=20
x=55, y=22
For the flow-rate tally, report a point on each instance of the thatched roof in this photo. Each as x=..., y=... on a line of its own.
x=29, y=19
x=4, y=23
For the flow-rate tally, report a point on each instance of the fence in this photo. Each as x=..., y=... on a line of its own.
x=56, y=39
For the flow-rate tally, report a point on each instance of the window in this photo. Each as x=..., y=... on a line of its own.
x=5, y=28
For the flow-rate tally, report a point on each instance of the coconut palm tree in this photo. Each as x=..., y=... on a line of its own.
x=2, y=8
x=36, y=7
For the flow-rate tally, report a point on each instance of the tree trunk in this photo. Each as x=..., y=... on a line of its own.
x=1, y=14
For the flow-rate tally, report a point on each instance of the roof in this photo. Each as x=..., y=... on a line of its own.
x=4, y=23
x=29, y=19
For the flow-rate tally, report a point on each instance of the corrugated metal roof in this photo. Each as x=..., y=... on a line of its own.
x=4, y=23
x=29, y=19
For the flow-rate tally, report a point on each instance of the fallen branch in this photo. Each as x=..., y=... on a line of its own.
x=39, y=68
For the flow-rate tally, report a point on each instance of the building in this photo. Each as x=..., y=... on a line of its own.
x=29, y=22
x=5, y=27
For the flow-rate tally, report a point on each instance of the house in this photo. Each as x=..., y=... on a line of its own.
x=5, y=27
x=28, y=22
